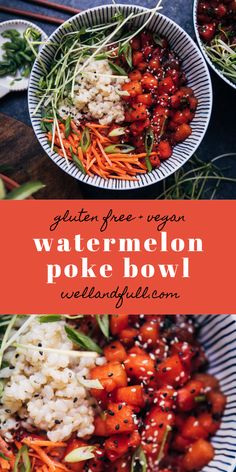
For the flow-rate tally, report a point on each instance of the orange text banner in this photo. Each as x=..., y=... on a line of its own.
x=117, y=256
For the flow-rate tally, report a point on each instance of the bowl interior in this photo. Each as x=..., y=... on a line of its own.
x=193, y=65
x=201, y=45
x=218, y=336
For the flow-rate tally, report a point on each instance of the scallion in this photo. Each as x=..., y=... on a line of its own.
x=80, y=339
x=119, y=148
x=85, y=140
x=149, y=142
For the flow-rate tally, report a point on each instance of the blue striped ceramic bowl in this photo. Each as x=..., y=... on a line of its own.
x=193, y=65
x=218, y=336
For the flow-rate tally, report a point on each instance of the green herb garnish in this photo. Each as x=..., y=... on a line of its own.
x=77, y=161
x=149, y=141
x=4, y=457
x=200, y=398
x=24, y=191
x=197, y=180
x=49, y=318
x=103, y=322
x=139, y=461
x=117, y=69
x=18, y=56
x=81, y=340
x=68, y=127
x=22, y=460
x=223, y=54
x=119, y=148
x=85, y=140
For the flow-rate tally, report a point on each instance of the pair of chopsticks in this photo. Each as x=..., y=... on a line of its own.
x=39, y=16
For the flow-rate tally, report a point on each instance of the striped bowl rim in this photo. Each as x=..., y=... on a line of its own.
x=198, y=78
x=218, y=337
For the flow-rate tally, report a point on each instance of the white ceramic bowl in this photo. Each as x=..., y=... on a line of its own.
x=218, y=336
x=202, y=47
x=193, y=65
x=7, y=84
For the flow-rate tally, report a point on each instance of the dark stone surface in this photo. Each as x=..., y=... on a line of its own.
x=220, y=137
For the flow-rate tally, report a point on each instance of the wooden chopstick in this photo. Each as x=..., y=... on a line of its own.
x=31, y=15
x=54, y=5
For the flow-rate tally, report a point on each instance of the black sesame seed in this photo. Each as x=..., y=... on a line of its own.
x=117, y=427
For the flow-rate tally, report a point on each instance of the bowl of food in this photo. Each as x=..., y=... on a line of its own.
x=118, y=392
x=214, y=24
x=19, y=44
x=120, y=97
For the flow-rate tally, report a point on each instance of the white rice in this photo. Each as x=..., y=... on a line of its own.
x=42, y=389
x=97, y=95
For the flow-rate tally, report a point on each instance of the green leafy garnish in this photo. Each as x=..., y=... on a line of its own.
x=18, y=56
x=49, y=318
x=81, y=340
x=157, y=39
x=118, y=148
x=223, y=54
x=117, y=69
x=24, y=191
x=2, y=190
x=4, y=457
x=77, y=161
x=149, y=141
x=200, y=398
x=139, y=461
x=197, y=180
x=161, y=450
x=22, y=460
x=80, y=454
x=85, y=140
x=103, y=322
x=68, y=126
x=126, y=50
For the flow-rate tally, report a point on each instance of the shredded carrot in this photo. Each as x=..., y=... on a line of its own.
x=4, y=464
x=80, y=154
x=43, y=443
x=135, y=156
x=71, y=140
x=95, y=159
x=99, y=135
x=96, y=125
x=43, y=456
x=18, y=444
x=103, y=153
